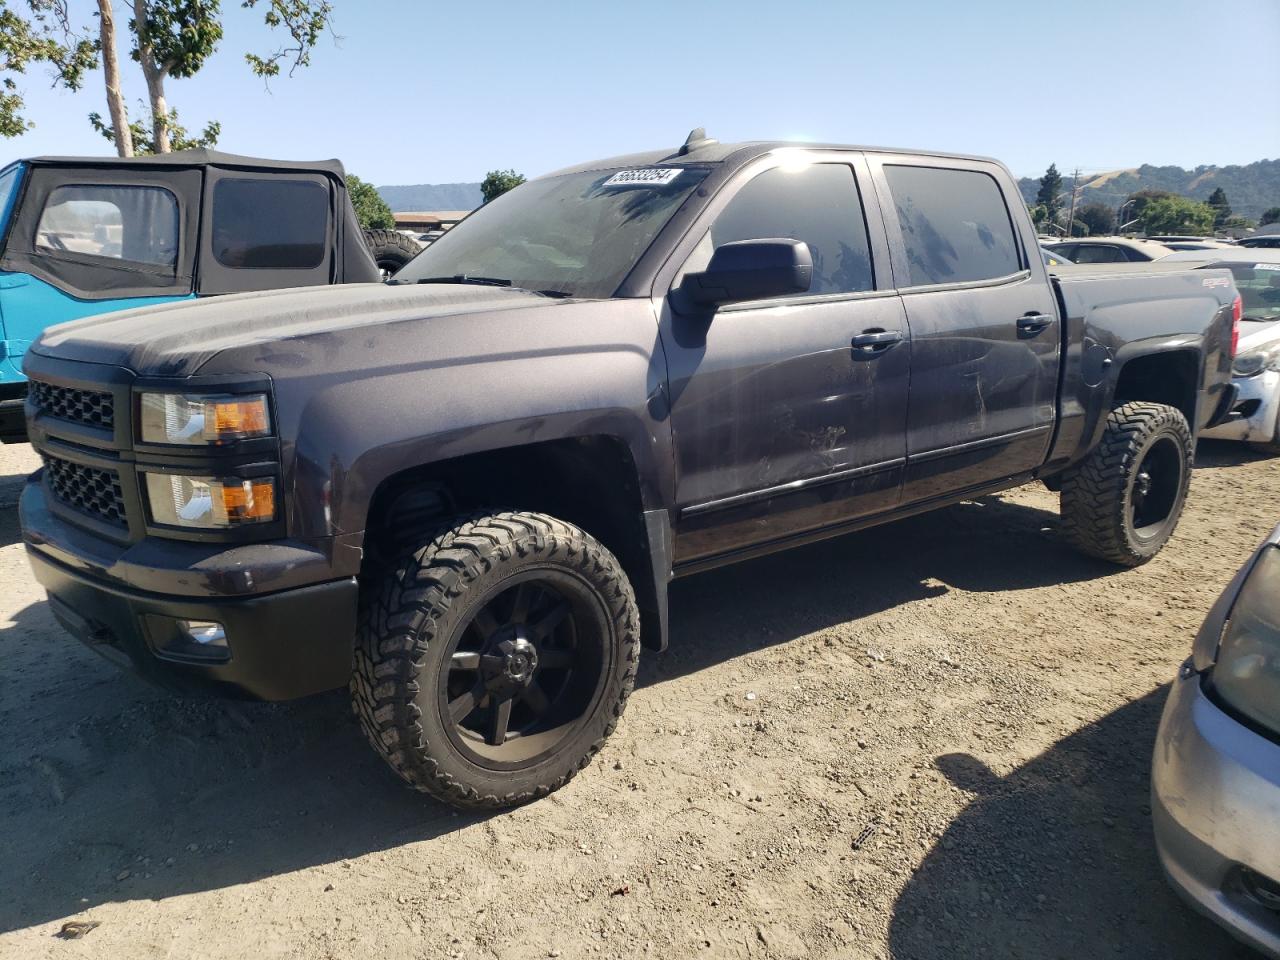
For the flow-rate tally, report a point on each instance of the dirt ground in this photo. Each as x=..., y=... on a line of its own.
x=929, y=740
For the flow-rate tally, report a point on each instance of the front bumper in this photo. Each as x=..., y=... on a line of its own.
x=287, y=637
x=1216, y=809
x=1254, y=413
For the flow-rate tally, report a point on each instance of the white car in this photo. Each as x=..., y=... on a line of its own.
x=1254, y=418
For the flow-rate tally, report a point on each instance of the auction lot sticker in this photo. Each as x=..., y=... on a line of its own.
x=643, y=177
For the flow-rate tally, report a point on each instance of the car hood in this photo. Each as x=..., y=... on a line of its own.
x=176, y=339
x=1255, y=334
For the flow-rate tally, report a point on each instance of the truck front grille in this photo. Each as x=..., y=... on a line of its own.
x=87, y=489
x=89, y=407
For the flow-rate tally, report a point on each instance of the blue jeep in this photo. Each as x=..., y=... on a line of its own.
x=84, y=235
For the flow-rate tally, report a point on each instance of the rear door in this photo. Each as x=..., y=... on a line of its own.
x=984, y=326
x=266, y=230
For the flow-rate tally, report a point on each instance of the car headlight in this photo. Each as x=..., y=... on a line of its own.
x=192, y=420
x=1247, y=673
x=210, y=503
x=1255, y=361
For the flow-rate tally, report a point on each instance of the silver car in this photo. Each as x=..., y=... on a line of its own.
x=1215, y=780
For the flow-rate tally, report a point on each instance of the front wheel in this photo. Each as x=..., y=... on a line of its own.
x=1124, y=500
x=494, y=657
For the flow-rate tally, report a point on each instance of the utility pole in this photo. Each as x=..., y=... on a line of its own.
x=1071, y=216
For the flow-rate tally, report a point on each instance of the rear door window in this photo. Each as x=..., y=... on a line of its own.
x=955, y=225
x=135, y=224
x=274, y=224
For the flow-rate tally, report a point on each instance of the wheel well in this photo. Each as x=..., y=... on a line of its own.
x=1169, y=378
x=591, y=482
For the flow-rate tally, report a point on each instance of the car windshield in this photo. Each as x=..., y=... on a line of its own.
x=575, y=235
x=1259, y=286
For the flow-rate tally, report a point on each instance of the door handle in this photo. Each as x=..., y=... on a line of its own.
x=1033, y=323
x=874, y=342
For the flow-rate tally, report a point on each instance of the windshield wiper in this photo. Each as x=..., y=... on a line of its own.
x=465, y=278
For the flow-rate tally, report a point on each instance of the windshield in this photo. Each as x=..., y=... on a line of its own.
x=575, y=235
x=1259, y=286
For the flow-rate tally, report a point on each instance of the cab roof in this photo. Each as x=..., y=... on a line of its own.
x=706, y=151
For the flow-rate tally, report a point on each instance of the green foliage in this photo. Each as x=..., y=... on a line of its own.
x=304, y=20
x=46, y=36
x=1177, y=215
x=1270, y=215
x=498, y=182
x=1221, y=208
x=1252, y=187
x=1050, y=194
x=144, y=135
x=371, y=210
x=1038, y=214
x=181, y=34
x=1097, y=219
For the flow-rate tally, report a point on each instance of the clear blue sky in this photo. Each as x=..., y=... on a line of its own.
x=421, y=92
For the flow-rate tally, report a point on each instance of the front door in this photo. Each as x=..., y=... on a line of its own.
x=782, y=423
x=984, y=325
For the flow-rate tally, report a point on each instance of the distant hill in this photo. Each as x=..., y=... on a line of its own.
x=1250, y=189
x=433, y=196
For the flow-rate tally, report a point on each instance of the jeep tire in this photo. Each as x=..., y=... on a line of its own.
x=494, y=655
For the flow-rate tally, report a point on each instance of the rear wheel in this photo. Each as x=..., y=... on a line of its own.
x=494, y=657
x=1124, y=500
x=391, y=250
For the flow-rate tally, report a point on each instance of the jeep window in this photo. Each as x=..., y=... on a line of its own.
x=578, y=235
x=138, y=224
x=955, y=225
x=816, y=204
x=270, y=224
x=8, y=183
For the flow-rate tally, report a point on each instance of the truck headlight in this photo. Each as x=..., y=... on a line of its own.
x=191, y=420
x=1247, y=673
x=210, y=503
x=1255, y=361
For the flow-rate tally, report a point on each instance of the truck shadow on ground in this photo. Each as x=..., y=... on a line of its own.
x=985, y=546
x=1055, y=860
x=110, y=791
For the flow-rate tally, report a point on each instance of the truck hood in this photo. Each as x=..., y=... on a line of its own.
x=176, y=339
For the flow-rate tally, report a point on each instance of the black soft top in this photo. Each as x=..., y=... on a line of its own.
x=199, y=157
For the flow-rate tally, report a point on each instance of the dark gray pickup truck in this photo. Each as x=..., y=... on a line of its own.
x=463, y=493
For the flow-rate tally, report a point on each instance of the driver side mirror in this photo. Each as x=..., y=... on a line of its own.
x=750, y=270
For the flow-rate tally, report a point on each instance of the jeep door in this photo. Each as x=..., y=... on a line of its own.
x=782, y=424
x=985, y=335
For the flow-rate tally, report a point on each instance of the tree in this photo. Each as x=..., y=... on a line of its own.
x=1221, y=208
x=1270, y=215
x=1135, y=203
x=170, y=38
x=45, y=36
x=1050, y=192
x=1175, y=215
x=498, y=182
x=1097, y=218
x=371, y=210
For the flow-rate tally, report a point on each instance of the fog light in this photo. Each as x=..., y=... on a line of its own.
x=189, y=639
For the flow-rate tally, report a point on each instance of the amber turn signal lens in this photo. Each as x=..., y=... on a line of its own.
x=247, y=501
x=238, y=418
